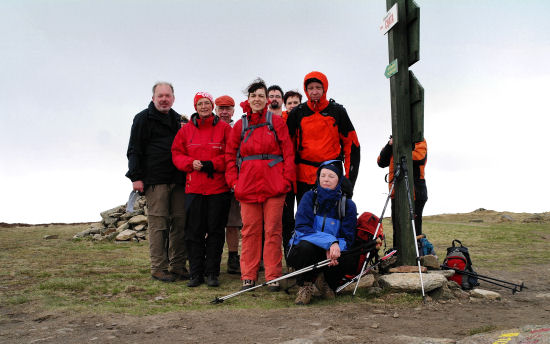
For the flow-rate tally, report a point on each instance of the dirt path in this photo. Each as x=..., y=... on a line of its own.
x=361, y=322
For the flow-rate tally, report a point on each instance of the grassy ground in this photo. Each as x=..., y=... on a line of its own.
x=67, y=275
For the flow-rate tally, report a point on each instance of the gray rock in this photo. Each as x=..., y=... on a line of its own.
x=410, y=282
x=97, y=236
x=127, y=216
x=109, y=221
x=506, y=218
x=113, y=213
x=485, y=294
x=111, y=236
x=141, y=235
x=543, y=296
x=375, y=291
x=430, y=261
x=51, y=236
x=366, y=281
x=123, y=227
x=126, y=235
x=443, y=293
x=140, y=228
x=138, y=220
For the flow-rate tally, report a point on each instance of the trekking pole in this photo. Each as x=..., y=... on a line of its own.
x=364, y=272
x=312, y=267
x=488, y=279
x=411, y=213
x=374, y=238
x=294, y=273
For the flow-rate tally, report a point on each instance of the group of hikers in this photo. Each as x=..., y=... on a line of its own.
x=208, y=177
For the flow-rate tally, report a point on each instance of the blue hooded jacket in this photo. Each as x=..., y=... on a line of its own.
x=325, y=228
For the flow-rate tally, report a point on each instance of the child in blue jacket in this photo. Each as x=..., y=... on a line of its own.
x=324, y=229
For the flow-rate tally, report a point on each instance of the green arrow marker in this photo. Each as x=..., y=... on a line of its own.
x=391, y=69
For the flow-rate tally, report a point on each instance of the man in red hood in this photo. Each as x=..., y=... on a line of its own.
x=322, y=131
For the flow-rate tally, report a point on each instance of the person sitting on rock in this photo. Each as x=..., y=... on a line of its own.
x=324, y=229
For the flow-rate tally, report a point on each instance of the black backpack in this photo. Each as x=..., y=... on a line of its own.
x=458, y=258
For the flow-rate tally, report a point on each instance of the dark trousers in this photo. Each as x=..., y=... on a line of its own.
x=306, y=254
x=288, y=220
x=205, y=231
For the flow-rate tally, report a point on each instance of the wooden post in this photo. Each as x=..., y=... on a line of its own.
x=403, y=46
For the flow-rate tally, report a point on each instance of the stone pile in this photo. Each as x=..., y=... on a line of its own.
x=120, y=225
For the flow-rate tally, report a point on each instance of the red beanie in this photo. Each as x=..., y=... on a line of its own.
x=200, y=95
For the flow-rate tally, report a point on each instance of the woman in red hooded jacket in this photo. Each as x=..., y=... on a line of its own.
x=260, y=169
x=199, y=150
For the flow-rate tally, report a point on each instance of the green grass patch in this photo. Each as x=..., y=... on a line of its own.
x=106, y=277
x=482, y=329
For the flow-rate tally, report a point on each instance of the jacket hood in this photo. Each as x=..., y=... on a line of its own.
x=195, y=119
x=323, y=102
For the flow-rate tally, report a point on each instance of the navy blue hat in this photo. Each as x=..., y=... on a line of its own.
x=333, y=165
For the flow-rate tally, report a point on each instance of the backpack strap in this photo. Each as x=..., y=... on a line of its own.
x=275, y=159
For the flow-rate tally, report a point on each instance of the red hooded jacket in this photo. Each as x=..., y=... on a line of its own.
x=322, y=131
x=256, y=181
x=205, y=140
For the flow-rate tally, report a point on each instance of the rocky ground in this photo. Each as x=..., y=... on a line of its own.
x=520, y=318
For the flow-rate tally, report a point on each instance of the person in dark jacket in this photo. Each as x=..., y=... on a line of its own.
x=152, y=172
x=420, y=157
x=199, y=150
x=322, y=232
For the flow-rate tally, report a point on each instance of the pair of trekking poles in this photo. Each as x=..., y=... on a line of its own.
x=514, y=287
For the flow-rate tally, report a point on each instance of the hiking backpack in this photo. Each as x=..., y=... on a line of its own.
x=275, y=159
x=366, y=226
x=458, y=258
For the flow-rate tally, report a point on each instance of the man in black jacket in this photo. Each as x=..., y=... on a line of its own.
x=152, y=172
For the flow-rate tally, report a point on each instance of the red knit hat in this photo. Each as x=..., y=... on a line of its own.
x=225, y=101
x=200, y=95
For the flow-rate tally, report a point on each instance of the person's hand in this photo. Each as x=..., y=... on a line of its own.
x=138, y=185
x=378, y=243
x=197, y=165
x=333, y=253
x=391, y=141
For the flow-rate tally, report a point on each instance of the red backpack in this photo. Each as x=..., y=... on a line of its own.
x=366, y=226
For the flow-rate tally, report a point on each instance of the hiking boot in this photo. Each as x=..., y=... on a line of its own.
x=247, y=284
x=304, y=294
x=212, y=280
x=274, y=287
x=233, y=263
x=180, y=274
x=163, y=276
x=325, y=290
x=195, y=281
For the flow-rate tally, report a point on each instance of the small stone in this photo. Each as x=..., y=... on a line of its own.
x=138, y=220
x=375, y=325
x=132, y=289
x=126, y=235
x=543, y=295
x=395, y=315
x=140, y=227
x=159, y=298
x=378, y=311
x=99, y=325
x=122, y=227
x=49, y=237
x=476, y=220
x=485, y=294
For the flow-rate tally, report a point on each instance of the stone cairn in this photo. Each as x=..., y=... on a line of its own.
x=117, y=224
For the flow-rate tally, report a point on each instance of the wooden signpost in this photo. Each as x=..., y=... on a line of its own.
x=407, y=109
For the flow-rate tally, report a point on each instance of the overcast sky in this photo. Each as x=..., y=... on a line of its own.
x=75, y=73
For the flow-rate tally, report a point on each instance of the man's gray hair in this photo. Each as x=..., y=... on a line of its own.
x=163, y=83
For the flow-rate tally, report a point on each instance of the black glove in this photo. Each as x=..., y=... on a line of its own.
x=208, y=168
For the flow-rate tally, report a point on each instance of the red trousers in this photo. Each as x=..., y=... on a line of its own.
x=258, y=217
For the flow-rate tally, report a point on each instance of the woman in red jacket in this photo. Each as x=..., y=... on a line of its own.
x=260, y=169
x=198, y=149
